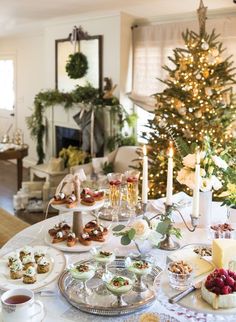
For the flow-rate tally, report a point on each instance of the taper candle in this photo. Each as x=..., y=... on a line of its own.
x=145, y=176
x=196, y=190
x=169, y=188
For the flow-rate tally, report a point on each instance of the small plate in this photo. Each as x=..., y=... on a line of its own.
x=78, y=248
x=192, y=301
x=56, y=259
x=82, y=208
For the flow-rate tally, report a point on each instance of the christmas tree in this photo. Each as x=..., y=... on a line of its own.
x=197, y=102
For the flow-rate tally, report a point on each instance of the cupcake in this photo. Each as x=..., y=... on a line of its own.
x=28, y=261
x=16, y=270
x=43, y=265
x=25, y=252
x=13, y=258
x=39, y=253
x=30, y=276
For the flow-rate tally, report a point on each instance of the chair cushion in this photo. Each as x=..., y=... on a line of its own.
x=126, y=156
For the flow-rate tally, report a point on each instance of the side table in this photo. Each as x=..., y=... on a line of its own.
x=18, y=154
x=42, y=171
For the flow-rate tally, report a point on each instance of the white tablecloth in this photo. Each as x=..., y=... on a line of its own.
x=58, y=309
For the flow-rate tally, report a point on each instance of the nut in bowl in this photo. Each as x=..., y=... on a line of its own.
x=180, y=275
x=119, y=282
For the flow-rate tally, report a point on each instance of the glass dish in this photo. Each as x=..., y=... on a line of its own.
x=179, y=281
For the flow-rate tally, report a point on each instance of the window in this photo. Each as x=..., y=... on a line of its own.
x=143, y=117
x=7, y=83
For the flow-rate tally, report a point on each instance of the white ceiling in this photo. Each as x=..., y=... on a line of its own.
x=15, y=14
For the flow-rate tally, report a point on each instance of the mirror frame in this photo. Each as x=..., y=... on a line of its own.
x=100, y=54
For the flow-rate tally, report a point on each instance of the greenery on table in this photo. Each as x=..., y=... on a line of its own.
x=87, y=95
x=230, y=196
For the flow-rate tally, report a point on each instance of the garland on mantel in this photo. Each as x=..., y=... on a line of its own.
x=87, y=95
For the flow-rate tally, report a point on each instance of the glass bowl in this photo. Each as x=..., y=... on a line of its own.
x=179, y=281
x=222, y=231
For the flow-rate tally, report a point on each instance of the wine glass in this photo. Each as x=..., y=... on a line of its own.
x=119, y=282
x=132, y=177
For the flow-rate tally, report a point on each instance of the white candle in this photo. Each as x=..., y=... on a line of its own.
x=145, y=176
x=196, y=190
x=169, y=188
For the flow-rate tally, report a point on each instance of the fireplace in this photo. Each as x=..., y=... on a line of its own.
x=67, y=136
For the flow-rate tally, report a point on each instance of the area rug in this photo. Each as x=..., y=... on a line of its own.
x=9, y=226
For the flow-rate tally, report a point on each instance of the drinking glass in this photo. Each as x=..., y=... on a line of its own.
x=115, y=180
x=132, y=177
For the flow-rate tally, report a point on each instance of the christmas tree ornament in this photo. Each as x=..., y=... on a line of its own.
x=198, y=76
x=211, y=59
x=208, y=91
x=182, y=111
x=205, y=46
x=198, y=114
x=205, y=73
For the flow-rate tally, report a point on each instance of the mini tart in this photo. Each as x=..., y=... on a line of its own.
x=71, y=201
x=13, y=258
x=98, y=195
x=71, y=239
x=97, y=235
x=218, y=301
x=25, y=252
x=87, y=191
x=28, y=261
x=16, y=270
x=60, y=237
x=64, y=226
x=87, y=200
x=90, y=226
x=39, y=254
x=30, y=276
x=59, y=199
x=43, y=266
x=85, y=239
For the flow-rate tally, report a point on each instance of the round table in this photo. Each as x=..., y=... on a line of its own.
x=57, y=308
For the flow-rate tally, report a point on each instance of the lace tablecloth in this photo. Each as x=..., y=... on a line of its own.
x=58, y=309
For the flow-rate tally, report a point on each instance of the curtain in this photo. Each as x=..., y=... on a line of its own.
x=153, y=44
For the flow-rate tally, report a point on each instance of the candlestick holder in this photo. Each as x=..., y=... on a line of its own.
x=168, y=243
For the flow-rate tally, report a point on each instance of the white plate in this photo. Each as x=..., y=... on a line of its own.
x=63, y=208
x=57, y=261
x=193, y=301
x=78, y=248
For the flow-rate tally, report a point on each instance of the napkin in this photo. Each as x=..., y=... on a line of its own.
x=181, y=199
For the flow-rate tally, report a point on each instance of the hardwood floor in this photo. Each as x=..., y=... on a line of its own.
x=8, y=187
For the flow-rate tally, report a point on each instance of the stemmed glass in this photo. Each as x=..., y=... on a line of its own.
x=119, y=282
x=115, y=180
x=132, y=177
x=83, y=272
x=140, y=268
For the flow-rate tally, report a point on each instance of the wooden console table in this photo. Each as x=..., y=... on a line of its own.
x=19, y=155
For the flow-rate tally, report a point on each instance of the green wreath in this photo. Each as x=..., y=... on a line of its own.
x=77, y=65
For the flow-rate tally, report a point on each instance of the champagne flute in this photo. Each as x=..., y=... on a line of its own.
x=115, y=180
x=132, y=177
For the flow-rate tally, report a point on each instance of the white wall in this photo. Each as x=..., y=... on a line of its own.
x=36, y=63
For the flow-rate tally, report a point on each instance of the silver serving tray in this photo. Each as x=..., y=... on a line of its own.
x=102, y=304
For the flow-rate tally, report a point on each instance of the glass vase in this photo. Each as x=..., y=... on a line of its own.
x=205, y=209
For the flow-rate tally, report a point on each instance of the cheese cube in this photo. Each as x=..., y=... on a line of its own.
x=223, y=252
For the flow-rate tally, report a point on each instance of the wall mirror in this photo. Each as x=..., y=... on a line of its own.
x=91, y=47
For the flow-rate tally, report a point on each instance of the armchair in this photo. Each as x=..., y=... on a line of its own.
x=122, y=158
